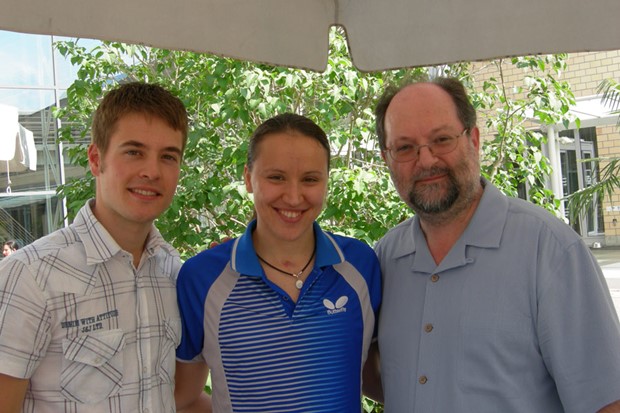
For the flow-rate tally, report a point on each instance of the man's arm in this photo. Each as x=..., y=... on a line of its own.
x=611, y=408
x=189, y=394
x=371, y=375
x=12, y=393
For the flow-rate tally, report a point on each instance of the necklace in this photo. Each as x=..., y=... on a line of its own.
x=298, y=281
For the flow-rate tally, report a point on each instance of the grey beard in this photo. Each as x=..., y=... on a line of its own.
x=423, y=205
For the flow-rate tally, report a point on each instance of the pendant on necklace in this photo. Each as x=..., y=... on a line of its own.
x=298, y=281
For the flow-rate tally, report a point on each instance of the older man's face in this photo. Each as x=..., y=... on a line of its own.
x=431, y=184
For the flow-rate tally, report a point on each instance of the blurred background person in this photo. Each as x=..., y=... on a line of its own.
x=9, y=247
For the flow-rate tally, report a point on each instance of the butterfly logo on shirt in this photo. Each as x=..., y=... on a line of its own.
x=338, y=307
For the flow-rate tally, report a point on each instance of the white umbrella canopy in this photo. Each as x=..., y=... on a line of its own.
x=382, y=34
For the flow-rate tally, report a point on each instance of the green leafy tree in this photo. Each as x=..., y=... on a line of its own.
x=226, y=100
x=512, y=157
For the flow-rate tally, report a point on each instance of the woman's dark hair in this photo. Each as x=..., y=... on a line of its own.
x=287, y=122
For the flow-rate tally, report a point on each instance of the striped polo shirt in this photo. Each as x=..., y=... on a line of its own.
x=267, y=353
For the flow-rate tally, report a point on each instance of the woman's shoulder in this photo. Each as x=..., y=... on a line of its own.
x=345, y=241
x=210, y=259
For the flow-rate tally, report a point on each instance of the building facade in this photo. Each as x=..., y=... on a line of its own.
x=598, y=135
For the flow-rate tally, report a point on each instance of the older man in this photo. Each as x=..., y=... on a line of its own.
x=490, y=303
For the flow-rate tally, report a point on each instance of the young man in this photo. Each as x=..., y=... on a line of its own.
x=490, y=304
x=88, y=314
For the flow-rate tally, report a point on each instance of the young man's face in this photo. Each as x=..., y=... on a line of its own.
x=138, y=174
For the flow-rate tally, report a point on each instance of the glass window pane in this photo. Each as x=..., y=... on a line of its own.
x=27, y=100
x=26, y=218
x=27, y=60
x=35, y=139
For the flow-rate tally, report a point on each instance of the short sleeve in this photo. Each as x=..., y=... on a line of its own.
x=578, y=329
x=191, y=308
x=24, y=320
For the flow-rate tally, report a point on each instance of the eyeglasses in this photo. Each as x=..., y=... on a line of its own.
x=440, y=145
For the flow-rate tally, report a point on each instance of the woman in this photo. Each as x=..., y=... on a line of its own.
x=9, y=247
x=282, y=316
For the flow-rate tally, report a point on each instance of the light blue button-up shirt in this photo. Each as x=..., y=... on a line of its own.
x=516, y=318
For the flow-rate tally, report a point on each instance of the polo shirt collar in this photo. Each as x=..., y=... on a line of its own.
x=245, y=261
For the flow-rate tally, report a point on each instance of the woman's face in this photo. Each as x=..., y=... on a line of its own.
x=6, y=250
x=289, y=183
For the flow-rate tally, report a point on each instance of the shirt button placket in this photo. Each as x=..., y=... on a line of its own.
x=428, y=328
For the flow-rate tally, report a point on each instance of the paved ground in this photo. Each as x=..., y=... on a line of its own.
x=609, y=260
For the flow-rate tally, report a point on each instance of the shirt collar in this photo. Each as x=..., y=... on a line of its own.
x=245, y=261
x=99, y=245
x=487, y=224
x=484, y=229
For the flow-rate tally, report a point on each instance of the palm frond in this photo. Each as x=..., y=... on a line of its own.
x=610, y=89
x=609, y=181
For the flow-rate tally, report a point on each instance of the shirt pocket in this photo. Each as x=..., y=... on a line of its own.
x=170, y=341
x=92, y=366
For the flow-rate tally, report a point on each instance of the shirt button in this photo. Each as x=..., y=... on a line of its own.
x=145, y=370
x=434, y=278
x=422, y=379
x=98, y=360
x=428, y=328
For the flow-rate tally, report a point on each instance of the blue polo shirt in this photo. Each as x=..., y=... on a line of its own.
x=267, y=353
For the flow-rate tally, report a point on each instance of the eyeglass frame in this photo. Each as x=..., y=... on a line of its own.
x=416, y=148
